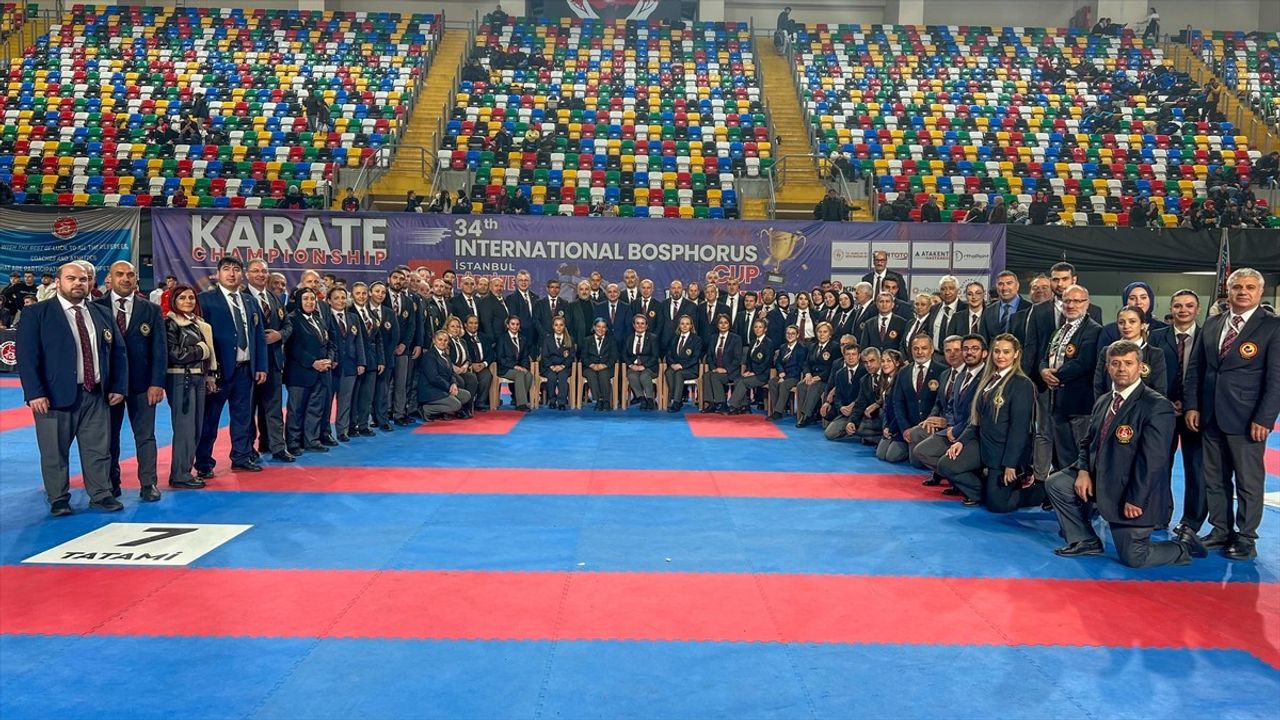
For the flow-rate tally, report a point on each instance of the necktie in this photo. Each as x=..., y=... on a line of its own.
x=395, y=303
x=720, y=351
x=479, y=348
x=315, y=325
x=515, y=340
x=803, y=316
x=994, y=381
x=368, y=324
x=973, y=323
x=884, y=325
x=919, y=378
x=1004, y=316
x=242, y=334
x=1229, y=338
x=553, y=307
x=1111, y=416
x=848, y=374
x=639, y=344
x=875, y=291
x=462, y=354
x=559, y=340
x=443, y=310
x=471, y=303
x=613, y=313
x=266, y=306
x=599, y=346
x=680, y=346
x=121, y=321
x=942, y=330
x=964, y=385
x=1182, y=349
x=342, y=322
x=674, y=308
x=1060, y=318
x=951, y=380
x=86, y=350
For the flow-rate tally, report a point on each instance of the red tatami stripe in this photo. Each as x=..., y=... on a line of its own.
x=641, y=606
x=10, y=382
x=521, y=481
x=14, y=418
x=1271, y=459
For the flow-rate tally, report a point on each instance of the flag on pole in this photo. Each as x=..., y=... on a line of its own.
x=1224, y=265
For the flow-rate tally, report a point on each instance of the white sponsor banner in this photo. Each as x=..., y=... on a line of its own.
x=851, y=256
x=928, y=283
x=971, y=256
x=899, y=254
x=930, y=256
x=159, y=543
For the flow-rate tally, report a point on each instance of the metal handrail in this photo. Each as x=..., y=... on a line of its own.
x=380, y=162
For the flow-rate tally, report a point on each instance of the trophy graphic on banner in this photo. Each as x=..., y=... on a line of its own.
x=781, y=246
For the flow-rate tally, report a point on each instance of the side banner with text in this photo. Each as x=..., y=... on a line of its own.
x=39, y=241
x=188, y=244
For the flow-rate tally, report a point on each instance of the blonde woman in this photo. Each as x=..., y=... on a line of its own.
x=998, y=438
x=191, y=375
x=558, y=353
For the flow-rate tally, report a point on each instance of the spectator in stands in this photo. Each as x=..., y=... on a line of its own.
x=317, y=200
x=501, y=140
x=1205, y=217
x=1253, y=216
x=902, y=208
x=48, y=288
x=9, y=298
x=157, y=295
x=6, y=194
x=179, y=199
x=929, y=211
x=200, y=107
x=412, y=203
x=1265, y=172
x=841, y=167
x=1141, y=213
x=519, y=204
x=999, y=212
x=1153, y=26
x=474, y=72
x=462, y=204
x=293, y=200
x=1017, y=213
x=163, y=133
x=532, y=138
x=887, y=212
x=496, y=17
x=441, y=203
x=189, y=131
x=977, y=213
x=1101, y=27
x=831, y=208
x=1038, y=212
x=350, y=203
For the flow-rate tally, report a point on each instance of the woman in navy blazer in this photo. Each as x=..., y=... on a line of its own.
x=389, y=337
x=755, y=368
x=824, y=353
x=790, y=360
x=557, y=353
x=683, y=357
x=599, y=355
x=310, y=356
x=1131, y=326
x=724, y=364
x=998, y=437
x=480, y=356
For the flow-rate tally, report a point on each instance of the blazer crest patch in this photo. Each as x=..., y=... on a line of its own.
x=1124, y=434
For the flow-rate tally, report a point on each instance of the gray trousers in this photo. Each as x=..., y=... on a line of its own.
x=89, y=425
x=447, y=405
x=521, y=384
x=918, y=435
x=928, y=452
x=837, y=428
x=362, y=410
x=601, y=383
x=1133, y=543
x=1195, y=504
x=1068, y=432
x=1042, y=447
x=308, y=408
x=269, y=413
x=780, y=393
x=411, y=384
x=717, y=386
x=557, y=383
x=1233, y=465
x=641, y=383
x=186, y=395
x=400, y=387
x=676, y=380
x=809, y=399
x=892, y=451
x=142, y=419
x=382, y=395
x=742, y=390
x=484, y=380
x=344, y=389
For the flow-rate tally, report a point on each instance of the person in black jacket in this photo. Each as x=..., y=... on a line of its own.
x=389, y=336
x=831, y=208
x=557, y=352
x=189, y=344
x=724, y=364
x=438, y=391
x=375, y=364
x=1132, y=327
x=1038, y=210
x=682, y=356
x=481, y=357
x=310, y=357
x=514, y=358
x=929, y=211
x=1067, y=371
x=998, y=437
x=599, y=355
x=1123, y=471
x=755, y=370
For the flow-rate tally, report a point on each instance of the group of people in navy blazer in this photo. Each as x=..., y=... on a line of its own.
x=1009, y=401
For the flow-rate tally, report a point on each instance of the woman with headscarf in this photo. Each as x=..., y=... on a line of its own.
x=310, y=356
x=192, y=369
x=1137, y=295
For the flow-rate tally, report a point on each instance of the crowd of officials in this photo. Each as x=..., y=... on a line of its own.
x=1010, y=401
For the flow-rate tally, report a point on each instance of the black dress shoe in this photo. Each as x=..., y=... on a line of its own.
x=285, y=457
x=317, y=448
x=385, y=427
x=403, y=422
x=149, y=493
x=523, y=408
x=246, y=467
x=205, y=474
x=1078, y=549
x=295, y=452
x=1187, y=538
x=1240, y=550
x=61, y=508
x=932, y=481
x=255, y=455
x=115, y=491
x=970, y=502
x=951, y=492
x=707, y=409
x=343, y=437
x=366, y=432
x=1215, y=540
x=107, y=504
x=328, y=442
x=188, y=483
x=773, y=416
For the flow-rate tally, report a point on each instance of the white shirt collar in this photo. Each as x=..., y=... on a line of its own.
x=1190, y=332
x=924, y=364
x=229, y=293
x=1125, y=393
x=67, y=304
x=886, y=316
x=1246, y=315
x=115, y=299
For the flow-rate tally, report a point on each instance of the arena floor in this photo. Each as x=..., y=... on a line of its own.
x=589, y=565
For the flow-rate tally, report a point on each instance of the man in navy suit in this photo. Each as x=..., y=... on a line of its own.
x=1067, y=371
x=950, y=414
x=241, y=348
x=546, y=310
x=1122, y=470
x=1232, y=399
x=403, y=305
x=1008, y=314
x=1178, y=340
x=73, y=367
x=267, y=397
x=880, y=272
x=884, y=330
x=617, y=314
x=670, y=311
x=349, y=340
x=141, y=328
x=520, y=304
x=912, y=397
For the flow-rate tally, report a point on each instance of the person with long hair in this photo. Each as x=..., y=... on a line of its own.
x=191, y=375
x=998, y=437
x=724, y=364
x=480, y=356
x=683, y=356
x=823, y=355
x=557, y=354
x=755, y=370
x=790, y=361
x=389, y=337
x=438, y=391
x=460, y=358
x=310, y=356
x=599, y=355
x=1132, y=326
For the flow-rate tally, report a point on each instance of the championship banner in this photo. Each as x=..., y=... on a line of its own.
x=188, y=243
x=39, y=241
x=608, y=10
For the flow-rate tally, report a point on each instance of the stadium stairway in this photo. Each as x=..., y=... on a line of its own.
x=405, y=174
x=802, y=189
x=1260, y=137
x=13, y=46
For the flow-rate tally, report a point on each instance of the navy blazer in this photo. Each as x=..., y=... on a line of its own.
x=480, y=348
x=580, y=318
x=909, y=408
x=349, y=344
x=1132, y=463
x=460, y=309
x=524, y=311
x=305, y=345
x=791, y=362
x=276, y=318
x=1166, y=338
x=620, y=323
x=494, y=312
x=371, y=333
x=387, y=334
x=689, y=356
x=410, y=329
x=1074, y=396
x=1004, y=429
x=434, y=316
x=731, y=358
x=961, y=323
x=777, y=325
x=742, y=325
x=550, y=355
x=759, y=358
x=707, y=326
x=606, y=355
x=47, y=354
x=1154, y=374
x=144, y=342
x=869, y=393
x=648, y=355
x=543, y=317
x=670, y=328
x=846, y=391
x=822, y=358
x=1244, y=386
x=216, y=311
x=1041, y=324
x=902, y=283
x=1017, y=321
x=509, y=356
x=869, y=333
x=435, y=376
x=954, y=402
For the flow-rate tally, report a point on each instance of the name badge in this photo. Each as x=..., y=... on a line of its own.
x=1248, y=350
x=1070, y=351
x=1124, y=434
x=933, y=385
x=145, y=329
